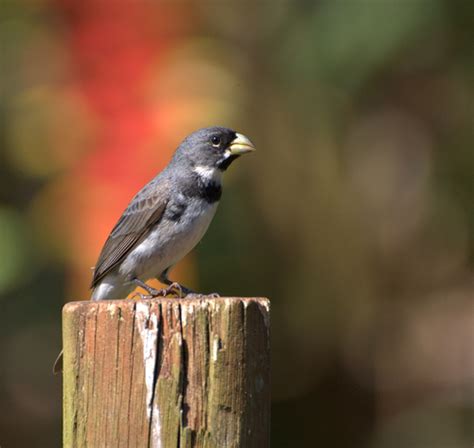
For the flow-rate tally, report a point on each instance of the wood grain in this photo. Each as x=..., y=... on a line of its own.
x=167, y=373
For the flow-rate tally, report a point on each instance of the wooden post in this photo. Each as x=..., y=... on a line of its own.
x=167, y=373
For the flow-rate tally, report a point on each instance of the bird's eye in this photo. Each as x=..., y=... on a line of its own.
x=215, y=140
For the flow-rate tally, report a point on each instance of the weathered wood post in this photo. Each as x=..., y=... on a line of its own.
x=167, y=373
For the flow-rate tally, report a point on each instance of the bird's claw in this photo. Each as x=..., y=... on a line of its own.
x=175, y=290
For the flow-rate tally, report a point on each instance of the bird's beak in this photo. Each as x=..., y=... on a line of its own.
x=240, y=145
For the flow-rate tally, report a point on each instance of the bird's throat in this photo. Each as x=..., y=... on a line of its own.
x=207, y=188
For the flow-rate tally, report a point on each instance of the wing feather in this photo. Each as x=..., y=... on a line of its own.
x=143, y=212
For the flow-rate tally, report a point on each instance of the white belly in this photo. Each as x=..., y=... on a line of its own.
x=169, y=242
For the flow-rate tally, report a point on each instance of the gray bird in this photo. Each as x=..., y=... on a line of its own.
x=168, y=216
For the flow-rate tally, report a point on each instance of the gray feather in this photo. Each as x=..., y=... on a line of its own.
x=144, y=211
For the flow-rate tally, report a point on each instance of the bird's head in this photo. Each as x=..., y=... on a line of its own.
x=213, y=149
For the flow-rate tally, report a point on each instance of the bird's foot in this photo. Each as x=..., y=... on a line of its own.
x=196, y=295
x=174, y=290
x=181, y=291
x=177, y=290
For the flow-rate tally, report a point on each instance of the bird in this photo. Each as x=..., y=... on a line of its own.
x=167, y=218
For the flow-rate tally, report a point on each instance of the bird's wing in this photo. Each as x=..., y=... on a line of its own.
x=142, y=213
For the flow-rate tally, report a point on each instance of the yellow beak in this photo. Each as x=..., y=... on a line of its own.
x=241, y=145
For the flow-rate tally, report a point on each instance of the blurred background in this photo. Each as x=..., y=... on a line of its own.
x=355, y=216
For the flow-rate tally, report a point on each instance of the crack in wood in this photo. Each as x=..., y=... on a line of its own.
x=183, y=385
x=156, y=372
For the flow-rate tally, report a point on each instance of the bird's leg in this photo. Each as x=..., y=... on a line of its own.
x=173, y=287
x=180, y=290
x=152, y=292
